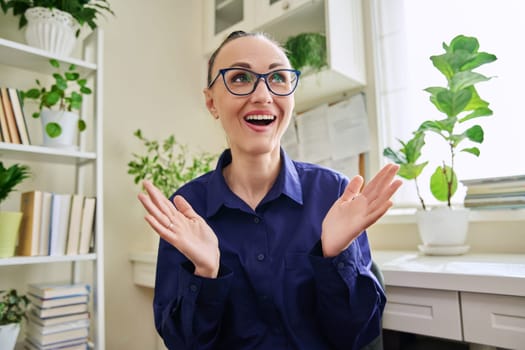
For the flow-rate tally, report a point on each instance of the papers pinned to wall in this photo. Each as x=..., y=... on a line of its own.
x=330, y=135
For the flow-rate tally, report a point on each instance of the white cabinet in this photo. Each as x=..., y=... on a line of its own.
x=423, y=311
x=340, y=21
x=59, y=170
x=497, y=320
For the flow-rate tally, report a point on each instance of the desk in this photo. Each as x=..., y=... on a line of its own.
x=476, y=298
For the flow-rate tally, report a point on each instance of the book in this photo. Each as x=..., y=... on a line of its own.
x=4, y=130
x=58, y=310
x=18, y=112
x=86, y=230
x=51, y=321
x=45, y=221
x=47, y=339
x=57, y=301
x=29, y=233
x=30, y=204
x=61, y=327
x=75, y=219
x=11, y=122
x=76, y=344
x=54, y=290
x=60, y=206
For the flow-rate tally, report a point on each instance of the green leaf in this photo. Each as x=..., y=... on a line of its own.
x=475, y=133
x=466, y=79
x=32, y=93
x=462, y=42
x=452, y=103
x=439, y=183
x=472, y=150
x=479, y=112
x=442, y=64
x=480, y=59
x=71, y=76
x=396, y=157
x=54, y=63
x=411, y=171
x=51, y=99
x=81, y=125
x=53, y=129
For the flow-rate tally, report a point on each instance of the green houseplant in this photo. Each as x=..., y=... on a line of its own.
x=10, y=177
x=307, y=50
x=13, y=307
x=168, y=164
x=65, y=96
x=55, y=25
x=461, y=104
x=85, y=12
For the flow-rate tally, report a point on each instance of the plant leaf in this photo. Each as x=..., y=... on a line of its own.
x=439, y=183
x=53, y=129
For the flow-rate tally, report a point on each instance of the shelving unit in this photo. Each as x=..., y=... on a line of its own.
x=340, y=21
x=86, y=165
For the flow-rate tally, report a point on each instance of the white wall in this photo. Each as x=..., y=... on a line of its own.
x=154, y=75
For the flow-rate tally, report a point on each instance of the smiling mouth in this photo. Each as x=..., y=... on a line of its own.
x=260, y=119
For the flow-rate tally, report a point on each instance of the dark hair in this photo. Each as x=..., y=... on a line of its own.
x=232, y=36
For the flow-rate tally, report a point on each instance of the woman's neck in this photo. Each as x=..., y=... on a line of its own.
x=251, y=177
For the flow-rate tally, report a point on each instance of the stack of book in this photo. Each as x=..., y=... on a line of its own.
x=58, y=317
x=495, y=192
x=13, y=127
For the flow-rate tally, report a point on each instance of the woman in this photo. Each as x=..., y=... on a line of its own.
x=265, y=252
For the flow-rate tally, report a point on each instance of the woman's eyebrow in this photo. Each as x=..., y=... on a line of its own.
x=248, y=66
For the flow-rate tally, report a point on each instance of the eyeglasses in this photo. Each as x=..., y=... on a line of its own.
x=243, y=82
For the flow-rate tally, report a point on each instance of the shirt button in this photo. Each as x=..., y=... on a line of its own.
x=193, y=287
x=340, y=265
x=260, y=257
x=256, y=220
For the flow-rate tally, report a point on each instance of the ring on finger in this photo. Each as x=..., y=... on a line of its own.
x=170, y=225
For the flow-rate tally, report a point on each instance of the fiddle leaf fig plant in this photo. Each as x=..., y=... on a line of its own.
x=66, y=94
x=168, y=164
x=460, y=103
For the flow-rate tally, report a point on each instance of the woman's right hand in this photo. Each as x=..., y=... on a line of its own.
x=183, y=228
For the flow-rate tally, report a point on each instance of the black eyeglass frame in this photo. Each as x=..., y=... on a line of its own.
x=259, y=76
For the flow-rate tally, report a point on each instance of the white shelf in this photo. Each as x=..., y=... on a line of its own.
x=28, y=260
x=408, y=215
x=44, y=154
x=30, y=58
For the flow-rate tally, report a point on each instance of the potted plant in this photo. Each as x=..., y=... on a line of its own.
x=168, y=164
x=54, y=25
x=10, y=221
x=13, y=309
x=65, y=96
x=461, y=104
x=307, y=50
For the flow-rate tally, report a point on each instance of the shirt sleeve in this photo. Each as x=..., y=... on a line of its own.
x=188, y=309
x=350, y=300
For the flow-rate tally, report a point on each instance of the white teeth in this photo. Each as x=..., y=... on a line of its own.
x=260, y=117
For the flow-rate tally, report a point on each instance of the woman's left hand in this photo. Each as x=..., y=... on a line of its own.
x=355, y=211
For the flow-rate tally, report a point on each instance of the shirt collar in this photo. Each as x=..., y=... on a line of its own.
x=219, y=193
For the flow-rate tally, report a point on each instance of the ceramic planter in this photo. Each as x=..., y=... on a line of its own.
x=51, y=30
x=443, y=230
x=9, y=225
x=68, y=121
x=8, y=336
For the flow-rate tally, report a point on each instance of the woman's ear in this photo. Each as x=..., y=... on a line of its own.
x=210, y=103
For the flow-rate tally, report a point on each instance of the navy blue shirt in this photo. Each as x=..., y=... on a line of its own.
x=275, y=290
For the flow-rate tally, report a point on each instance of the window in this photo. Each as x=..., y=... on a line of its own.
x=405, y=34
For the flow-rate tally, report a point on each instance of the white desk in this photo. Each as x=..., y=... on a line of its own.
x=477, y=298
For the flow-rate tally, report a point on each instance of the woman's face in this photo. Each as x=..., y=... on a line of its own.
x=241, y=116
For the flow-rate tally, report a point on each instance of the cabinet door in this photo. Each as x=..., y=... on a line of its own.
x=497, y=320
x=268, y=10
x=423, y=311
x=221, y=17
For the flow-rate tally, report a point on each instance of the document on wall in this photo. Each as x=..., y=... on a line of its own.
x=347, y=123
x=313, y=134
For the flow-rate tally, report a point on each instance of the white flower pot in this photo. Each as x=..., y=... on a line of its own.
x=52, y=30
x=443, y=230
x=8, y=336
x=68, y=121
